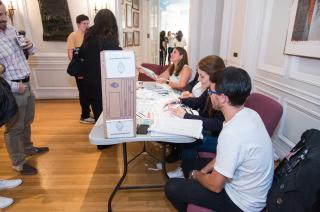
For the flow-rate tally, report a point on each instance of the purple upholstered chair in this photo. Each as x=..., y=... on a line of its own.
x=270, y=112
x=154, y=67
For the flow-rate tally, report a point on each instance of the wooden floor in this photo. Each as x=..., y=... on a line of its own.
x=73, y=175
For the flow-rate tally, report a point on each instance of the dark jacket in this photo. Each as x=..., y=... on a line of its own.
x=213, y=124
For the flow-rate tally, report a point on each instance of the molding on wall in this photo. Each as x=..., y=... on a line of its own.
x=268, y=93
x=280, y=71
x=305, y=78
x=304, y=95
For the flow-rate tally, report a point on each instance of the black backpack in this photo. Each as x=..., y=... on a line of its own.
x=8, y=105
x=296, y=183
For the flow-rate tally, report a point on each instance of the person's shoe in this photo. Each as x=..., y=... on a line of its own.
x=101, y=147
x=5, y=202
x=26, y=169
x=87, y=120
x=35, y=150
x=177, y=173
x=4, y=184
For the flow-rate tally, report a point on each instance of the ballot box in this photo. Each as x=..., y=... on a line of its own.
x=118, y=93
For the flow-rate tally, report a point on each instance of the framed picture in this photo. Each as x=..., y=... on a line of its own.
x=128, y=15
x=135, y=4
x=303, y=37
x=136, y=38
x=124, y=39
x=136, y=19
x=129, y=38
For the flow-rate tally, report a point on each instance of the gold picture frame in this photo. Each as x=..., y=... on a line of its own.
x=128, y=15
x=136, y=38
x=129, y=39
x=136, y=19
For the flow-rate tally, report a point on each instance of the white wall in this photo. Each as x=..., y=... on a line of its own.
x=204, y=29
x=258, y=33
x=48, y=66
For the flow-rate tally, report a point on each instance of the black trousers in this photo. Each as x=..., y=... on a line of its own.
x=83, y=97
x=181, y=192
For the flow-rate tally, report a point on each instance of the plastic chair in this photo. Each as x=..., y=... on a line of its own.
x=270, y=112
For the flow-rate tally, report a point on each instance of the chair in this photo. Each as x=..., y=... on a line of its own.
x=270, y=112
x=154, y=67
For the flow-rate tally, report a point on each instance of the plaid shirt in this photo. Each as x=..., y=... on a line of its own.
x=12, y=57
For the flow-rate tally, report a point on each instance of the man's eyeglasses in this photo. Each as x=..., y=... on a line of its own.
x=213, y=92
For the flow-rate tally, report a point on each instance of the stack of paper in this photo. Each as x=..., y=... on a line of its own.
x=175, y=126
x=149, y=73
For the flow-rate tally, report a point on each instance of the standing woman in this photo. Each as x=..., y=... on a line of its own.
x=178, y=74
x=179, y=40
x=163, y=48
x=170, y=45
x=103, y=35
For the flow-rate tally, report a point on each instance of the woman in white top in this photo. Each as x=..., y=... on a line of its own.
x=179, y=40
x=170, y=45
x=178, y=74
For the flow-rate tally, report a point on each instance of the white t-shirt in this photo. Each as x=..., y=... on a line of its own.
x=181, y=43
x=245, y=156
x=197, y=90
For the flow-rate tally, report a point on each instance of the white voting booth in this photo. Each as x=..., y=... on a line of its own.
x=118, y=93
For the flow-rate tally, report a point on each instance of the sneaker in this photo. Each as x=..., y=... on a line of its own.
x=4, y=184
x=177, y=173
x=26, y=169
x=5, y=202
x=35, y=150
x=87, y=120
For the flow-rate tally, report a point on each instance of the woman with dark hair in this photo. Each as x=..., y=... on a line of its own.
x=179, y=40
x=178, y=74
x=163, y=48
x=103, y=35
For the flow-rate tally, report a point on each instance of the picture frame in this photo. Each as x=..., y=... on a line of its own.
x=136, y=19
x=124, y=39
x=128, y=15
x=303, y=37
x=135, y=4
x=136, y=38
x=129, y=39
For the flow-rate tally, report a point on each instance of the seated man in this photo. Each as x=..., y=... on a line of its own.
x=239, y=178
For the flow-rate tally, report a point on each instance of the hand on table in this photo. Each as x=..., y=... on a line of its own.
x=179, y=111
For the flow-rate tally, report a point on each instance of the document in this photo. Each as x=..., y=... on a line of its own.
x=149, y=73
x=177, y=126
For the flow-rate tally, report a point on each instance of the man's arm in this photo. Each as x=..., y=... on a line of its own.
x=214, y=182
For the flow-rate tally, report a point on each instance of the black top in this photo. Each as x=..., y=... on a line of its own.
x=91, y=55
x=213, y=124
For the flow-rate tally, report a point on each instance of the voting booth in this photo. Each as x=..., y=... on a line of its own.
x=118, y=93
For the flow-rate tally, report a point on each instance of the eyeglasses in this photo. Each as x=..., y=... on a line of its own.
x=213, y=92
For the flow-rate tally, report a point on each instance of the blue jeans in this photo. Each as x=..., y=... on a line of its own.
x=207, y=144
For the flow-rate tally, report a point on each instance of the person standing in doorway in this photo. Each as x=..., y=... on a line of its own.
x=179, y=40
x=17, y=134
x=162, y=48
x=75, y=40
x=170, y=45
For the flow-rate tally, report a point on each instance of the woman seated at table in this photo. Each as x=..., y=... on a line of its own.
x=212, y=120
x=178, y=74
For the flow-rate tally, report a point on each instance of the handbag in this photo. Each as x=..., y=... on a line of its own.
x=8, y=105
x=76, y=65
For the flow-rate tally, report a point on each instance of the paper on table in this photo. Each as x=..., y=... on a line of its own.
x=149, y=73
x=185, y=127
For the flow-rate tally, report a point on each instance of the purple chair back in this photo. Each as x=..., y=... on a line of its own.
x=269, y=110
x=154, y=67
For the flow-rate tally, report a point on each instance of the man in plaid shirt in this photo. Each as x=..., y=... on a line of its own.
x=18, y=131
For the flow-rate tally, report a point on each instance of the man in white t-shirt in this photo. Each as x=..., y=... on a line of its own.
x=239, y=178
